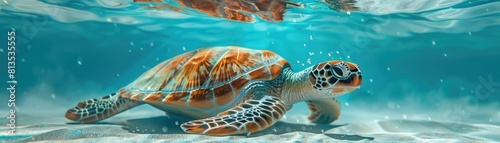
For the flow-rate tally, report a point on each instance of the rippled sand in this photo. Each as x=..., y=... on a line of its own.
x=152, y=125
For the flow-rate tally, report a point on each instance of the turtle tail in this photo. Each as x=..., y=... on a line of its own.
x=100, y=108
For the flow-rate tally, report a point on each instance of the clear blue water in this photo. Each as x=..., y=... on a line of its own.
x=425, y=59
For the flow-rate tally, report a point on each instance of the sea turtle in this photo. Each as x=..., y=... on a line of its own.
x=229, y=90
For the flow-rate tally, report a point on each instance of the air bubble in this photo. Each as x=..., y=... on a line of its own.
x=116, y=27
x=176, y=123
x=183, y=48
x=53, y=96
x=151, y=44
x=79, y=60
x=390, y=105
x=142, y=49
x=1, y=50
x=348, y=13
x=305, y=44
x=164, y=129
x=131, y=43
x=310, y=37
x=347, y=104
x=388, y=68
x=371, y=80
x=445, y=55
x=434, y=43
x=321, y=53
x=404, y=116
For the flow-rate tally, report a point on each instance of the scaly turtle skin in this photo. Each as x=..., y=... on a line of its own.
x=229, y=90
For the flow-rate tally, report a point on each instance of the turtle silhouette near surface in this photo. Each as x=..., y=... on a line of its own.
x=243, y=10
x=229, y=90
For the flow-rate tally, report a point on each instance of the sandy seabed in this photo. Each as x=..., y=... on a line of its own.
x=149, y=125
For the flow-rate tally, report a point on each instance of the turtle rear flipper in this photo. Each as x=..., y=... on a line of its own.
x=100, y=108
x=250, y=116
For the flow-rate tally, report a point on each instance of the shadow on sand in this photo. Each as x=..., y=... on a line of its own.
x=171, y=125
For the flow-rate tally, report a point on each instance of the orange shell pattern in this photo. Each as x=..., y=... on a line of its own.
x=204, y=78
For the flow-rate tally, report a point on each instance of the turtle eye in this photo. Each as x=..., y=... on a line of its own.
x=340, y=72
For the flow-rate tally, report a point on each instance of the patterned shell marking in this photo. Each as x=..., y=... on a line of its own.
x=204, y=78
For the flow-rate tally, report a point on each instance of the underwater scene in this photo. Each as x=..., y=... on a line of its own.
x=250, y=71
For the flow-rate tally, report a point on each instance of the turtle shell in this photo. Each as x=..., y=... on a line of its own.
x=204, y=78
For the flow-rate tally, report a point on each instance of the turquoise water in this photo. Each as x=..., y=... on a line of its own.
x=420, y=60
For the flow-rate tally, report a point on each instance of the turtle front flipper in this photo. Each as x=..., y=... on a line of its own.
x=247, y=117
x=323, y=111
x=100, y=108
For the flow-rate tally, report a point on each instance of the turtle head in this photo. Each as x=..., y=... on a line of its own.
x=334, y=78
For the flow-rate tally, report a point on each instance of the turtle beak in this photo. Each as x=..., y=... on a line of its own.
x=349, y=89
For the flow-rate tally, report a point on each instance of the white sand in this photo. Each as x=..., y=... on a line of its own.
x=145, y=124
